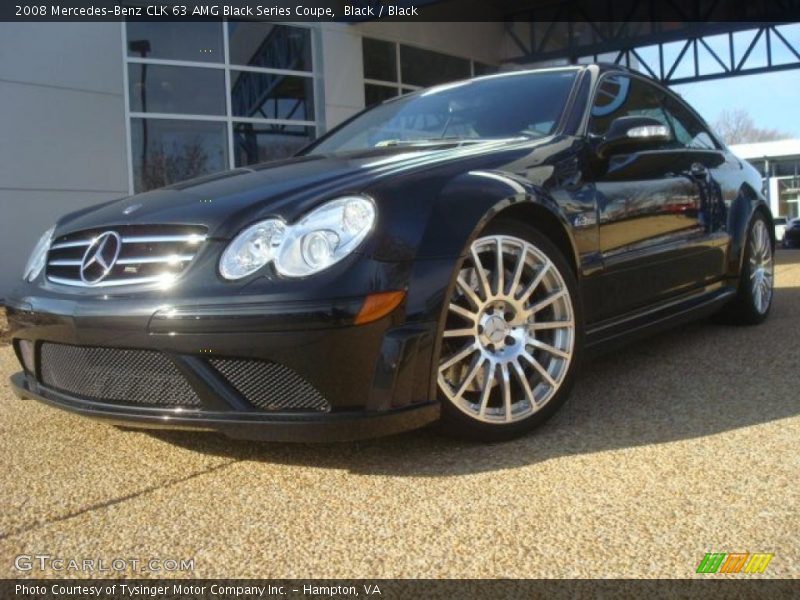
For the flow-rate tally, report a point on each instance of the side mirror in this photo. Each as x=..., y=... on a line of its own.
x=629, y=134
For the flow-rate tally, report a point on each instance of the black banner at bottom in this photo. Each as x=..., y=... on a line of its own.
x=391, y=589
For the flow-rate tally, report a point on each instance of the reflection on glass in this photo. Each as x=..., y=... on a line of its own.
x=268, y=45
x=167, y=151
x=258, y=142
x=380, y=59
x=375, y=94
x=426, y=68
x=199, y=40
x=272, y=96
x=186, y=90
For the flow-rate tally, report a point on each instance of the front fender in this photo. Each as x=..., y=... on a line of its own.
x=740, y=215
x=468, y=202
x=463, y=209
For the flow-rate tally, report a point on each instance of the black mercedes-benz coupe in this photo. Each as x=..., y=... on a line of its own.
x=448, y=255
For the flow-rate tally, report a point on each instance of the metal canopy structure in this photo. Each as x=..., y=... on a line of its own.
x=674, y=41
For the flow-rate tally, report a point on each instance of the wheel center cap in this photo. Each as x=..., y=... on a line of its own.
x=495, y=329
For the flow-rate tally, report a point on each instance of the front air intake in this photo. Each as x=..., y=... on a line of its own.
x=143, y=377
x=270, y=386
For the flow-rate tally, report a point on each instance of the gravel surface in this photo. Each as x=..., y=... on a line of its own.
x=3, y=326
x=683, y=444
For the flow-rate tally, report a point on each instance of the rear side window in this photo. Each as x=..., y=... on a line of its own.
x=622, y=96
x=687, y=129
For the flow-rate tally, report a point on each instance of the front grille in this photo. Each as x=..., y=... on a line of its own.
x=147, y=254
x=144, y=377
x=270, y=386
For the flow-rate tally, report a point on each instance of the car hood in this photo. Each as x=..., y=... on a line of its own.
x=226, y=201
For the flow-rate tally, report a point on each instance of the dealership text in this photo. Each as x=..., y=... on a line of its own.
x=180, y=589
x=47, y=562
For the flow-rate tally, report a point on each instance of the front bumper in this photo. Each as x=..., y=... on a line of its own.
x=333, y=427
x=375, y=378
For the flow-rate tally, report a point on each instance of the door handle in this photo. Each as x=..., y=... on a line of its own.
x=698, y=171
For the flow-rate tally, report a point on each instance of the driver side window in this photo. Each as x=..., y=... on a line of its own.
x=623, y=96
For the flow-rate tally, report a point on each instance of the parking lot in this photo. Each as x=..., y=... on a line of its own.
x=683, y=444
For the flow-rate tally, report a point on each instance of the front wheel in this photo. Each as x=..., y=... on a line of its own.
x=511, y=338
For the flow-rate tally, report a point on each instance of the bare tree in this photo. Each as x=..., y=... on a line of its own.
x=736, y=126
x=178, y=162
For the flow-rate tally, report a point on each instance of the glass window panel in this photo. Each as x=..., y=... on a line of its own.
x=425, y=68
x=622, y=96
x=688, y=130
x=785, y=167
x=268, y=45
x=380, y=59
x=200, y=40
x=262, y=142
x=187, y=90
x=528, y=104
x=375, y=94
x=167, y=151
x=272, y=96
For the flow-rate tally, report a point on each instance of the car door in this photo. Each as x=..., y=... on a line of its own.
x=716, y=174
x=648, y=207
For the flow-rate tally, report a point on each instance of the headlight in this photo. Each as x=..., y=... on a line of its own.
x=321, y=239
x=38, y=256
x=251, y=249
x=325, y=236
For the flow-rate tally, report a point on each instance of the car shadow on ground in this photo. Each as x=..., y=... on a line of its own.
x=694, y=381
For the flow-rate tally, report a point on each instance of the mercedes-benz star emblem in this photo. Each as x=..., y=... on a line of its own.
x=100, y=257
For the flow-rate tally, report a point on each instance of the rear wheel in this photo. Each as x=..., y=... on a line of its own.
x=754, y=295
x=511, y=337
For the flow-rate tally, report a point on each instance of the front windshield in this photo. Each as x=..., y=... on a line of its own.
x=495, y=107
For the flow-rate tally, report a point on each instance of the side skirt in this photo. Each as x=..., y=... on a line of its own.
x=612, y=333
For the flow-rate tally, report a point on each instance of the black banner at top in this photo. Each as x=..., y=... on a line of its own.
x=674, y=11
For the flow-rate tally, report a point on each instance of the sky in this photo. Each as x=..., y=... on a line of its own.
x=772, y=99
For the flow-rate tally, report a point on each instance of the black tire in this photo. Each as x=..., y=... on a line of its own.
x=745, y=308
x=455, y=421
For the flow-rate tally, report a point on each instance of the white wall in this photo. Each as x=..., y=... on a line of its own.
x=63, y=123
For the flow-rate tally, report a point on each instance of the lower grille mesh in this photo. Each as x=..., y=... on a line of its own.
x=134, y=376
x=270, y=386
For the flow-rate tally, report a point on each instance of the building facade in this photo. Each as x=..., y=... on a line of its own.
x=779, y=165
x=97, y=111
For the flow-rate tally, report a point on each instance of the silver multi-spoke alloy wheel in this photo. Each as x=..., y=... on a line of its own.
x=762, y=275
x=509, y=335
